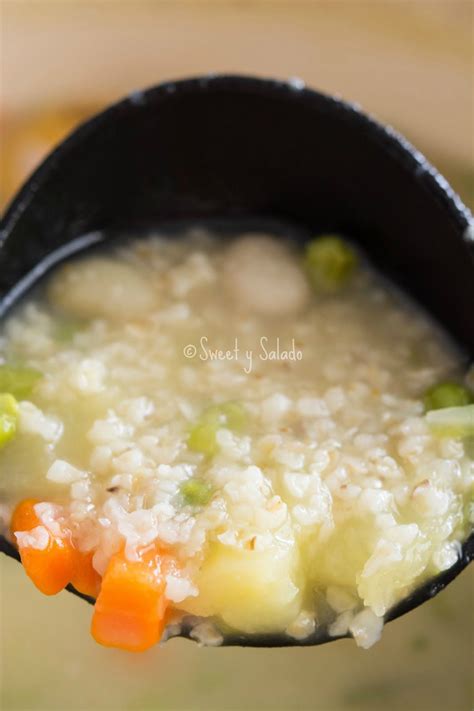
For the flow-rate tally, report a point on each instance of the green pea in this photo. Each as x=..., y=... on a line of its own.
x=202, y=437
x=18, y=380
x=8, y=405
x=7, y=429
x=329, y=262
x=196, y=492
x=236, y=416
x=8, y=418
x=446, y=395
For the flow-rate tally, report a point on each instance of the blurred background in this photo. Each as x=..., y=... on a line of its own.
x=410, y=63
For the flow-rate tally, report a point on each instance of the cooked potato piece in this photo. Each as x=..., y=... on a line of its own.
x=344, y=556
x=252, y=591
x=101, y=288
x=261, y=276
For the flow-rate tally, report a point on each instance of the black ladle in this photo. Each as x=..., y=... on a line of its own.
x=240, y=149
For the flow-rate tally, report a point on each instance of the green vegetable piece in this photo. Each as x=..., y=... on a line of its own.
x=446, y=395
x=8, y=418
x=329, y=262
x=18, y=380
x=236, y=415
x=202, y=437
x=196, y=492
x=452, y=421
x=7, y=429
x=8, y=405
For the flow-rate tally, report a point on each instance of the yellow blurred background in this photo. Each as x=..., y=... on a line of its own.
x=410, y=63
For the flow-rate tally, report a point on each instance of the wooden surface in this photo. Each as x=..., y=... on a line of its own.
x=409, y=62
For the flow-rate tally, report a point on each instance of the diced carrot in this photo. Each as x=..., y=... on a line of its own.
x=85, y=578
x=130, y=610
x=49, y=568
x=24, y=517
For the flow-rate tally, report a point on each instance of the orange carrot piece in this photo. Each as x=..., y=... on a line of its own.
x=131, y=606
x=85, y=578
x=49, y=568
x=24, y=517
x=130, y=610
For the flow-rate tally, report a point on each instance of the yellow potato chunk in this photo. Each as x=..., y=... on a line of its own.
x=343, y=557
x=102, y=288
x=252, y=591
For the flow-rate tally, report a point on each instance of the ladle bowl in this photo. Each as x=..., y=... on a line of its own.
x=231, y=149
